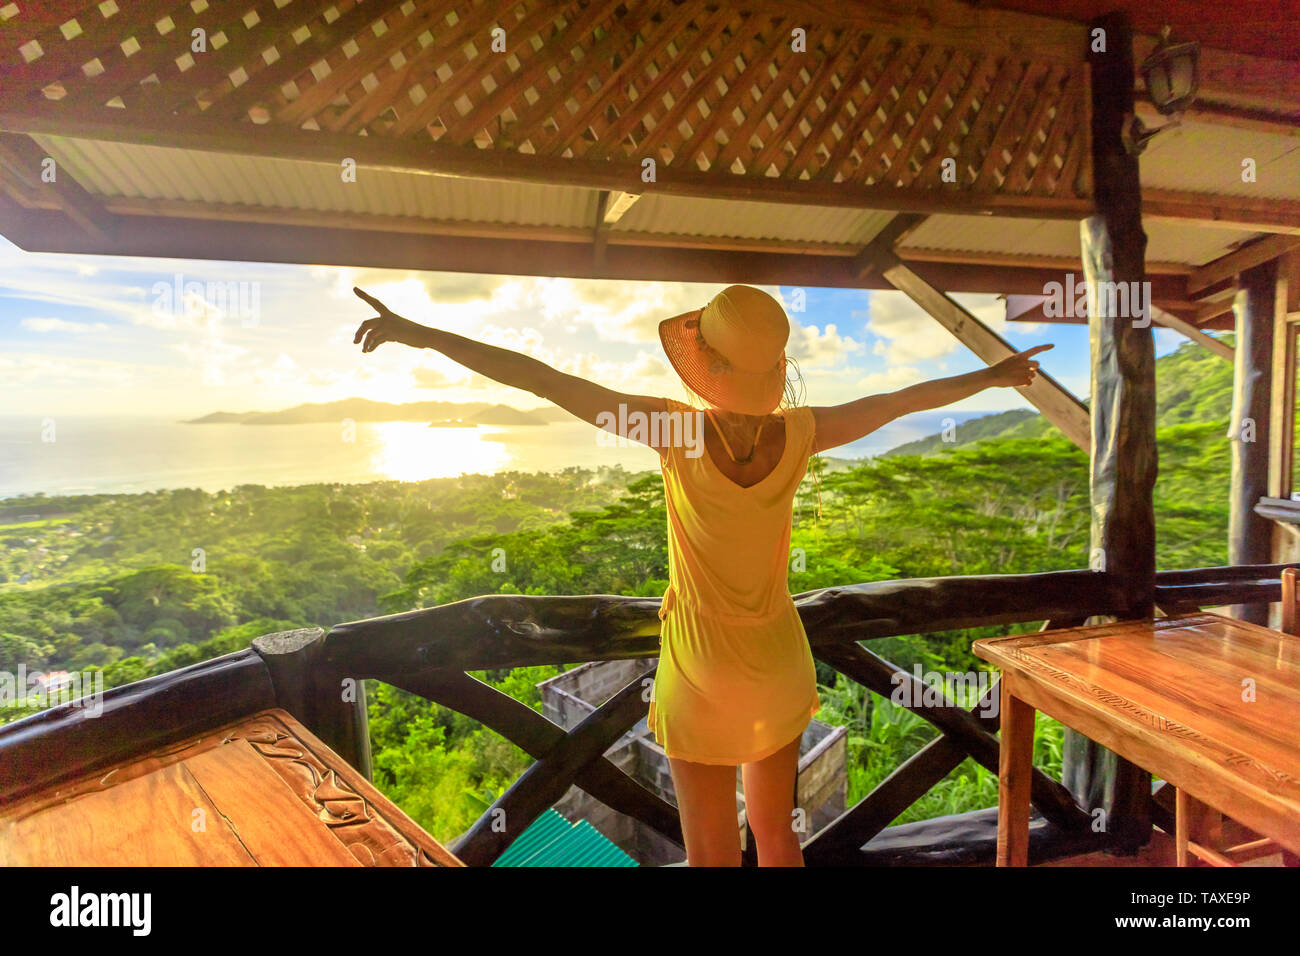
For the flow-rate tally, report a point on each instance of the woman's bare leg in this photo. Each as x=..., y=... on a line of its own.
x=769, y=805
x=706, y=800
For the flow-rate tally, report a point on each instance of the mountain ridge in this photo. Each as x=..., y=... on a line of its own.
x=366, y=410
x=1192, y=385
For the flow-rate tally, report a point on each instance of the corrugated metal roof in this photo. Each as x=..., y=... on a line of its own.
x=554, y=841
x=1167, y=241
x=155, y=172
x=1188, y=158
x=688, y=216
x=1200, y=158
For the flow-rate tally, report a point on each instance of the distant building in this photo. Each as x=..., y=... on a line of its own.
x=54, y=681
x=568, y=698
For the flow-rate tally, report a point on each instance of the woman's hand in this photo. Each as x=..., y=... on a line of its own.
x=1016, y=371
x=387, y=326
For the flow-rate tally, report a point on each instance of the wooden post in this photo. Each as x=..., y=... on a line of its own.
x=1045, y=393
x=1249, y=534
x=315, y=696
x=1123, y=462
x=1281, y=432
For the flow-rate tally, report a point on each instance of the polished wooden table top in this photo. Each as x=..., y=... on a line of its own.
x=1208, y=703
x=263, y=791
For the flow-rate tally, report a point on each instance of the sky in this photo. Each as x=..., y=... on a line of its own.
x=110, y=335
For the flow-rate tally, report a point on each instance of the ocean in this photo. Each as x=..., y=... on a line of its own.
x=100, y=454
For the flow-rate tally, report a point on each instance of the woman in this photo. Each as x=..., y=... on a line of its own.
x=736, y=685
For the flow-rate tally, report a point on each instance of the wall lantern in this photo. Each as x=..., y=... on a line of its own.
x=1170, y=73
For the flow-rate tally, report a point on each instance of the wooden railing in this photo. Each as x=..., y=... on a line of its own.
x=318, y=676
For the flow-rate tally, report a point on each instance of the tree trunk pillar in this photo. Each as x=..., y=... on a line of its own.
x=1249, y=534
x=1123, y=455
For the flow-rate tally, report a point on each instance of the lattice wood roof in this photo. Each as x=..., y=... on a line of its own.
x=759, y=92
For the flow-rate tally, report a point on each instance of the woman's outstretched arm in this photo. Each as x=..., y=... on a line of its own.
x=842, y=424
x=582, y=398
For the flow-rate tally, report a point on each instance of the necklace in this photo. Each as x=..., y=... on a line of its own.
x=727, y=445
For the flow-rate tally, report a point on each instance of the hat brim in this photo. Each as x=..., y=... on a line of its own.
x=747, y=393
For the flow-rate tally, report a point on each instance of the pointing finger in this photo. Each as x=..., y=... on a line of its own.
x=368, y=298
x=1035, y=350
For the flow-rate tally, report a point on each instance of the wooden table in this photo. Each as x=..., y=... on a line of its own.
x=263, y=791
x=1207, y=703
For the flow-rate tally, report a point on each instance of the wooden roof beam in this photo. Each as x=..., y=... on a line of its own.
x=29, y=162
x=619, y=203
x=886, y=241
x=1217, y=346
x=305, y=236
x=1017, y=259
x=1241, y=212
x=1051, y=398
x=1214, y=114
x=1248, y=256
x=611, y=206
x=429, y=158
x=198, y=133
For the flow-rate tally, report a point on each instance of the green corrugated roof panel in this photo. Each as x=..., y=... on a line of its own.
x=553, y=841
x=549, y=826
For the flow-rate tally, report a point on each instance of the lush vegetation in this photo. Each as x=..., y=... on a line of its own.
x=115, y=582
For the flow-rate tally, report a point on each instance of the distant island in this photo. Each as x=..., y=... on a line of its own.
x=445, y=414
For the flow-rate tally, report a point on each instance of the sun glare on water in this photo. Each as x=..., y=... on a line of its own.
x=412, y=451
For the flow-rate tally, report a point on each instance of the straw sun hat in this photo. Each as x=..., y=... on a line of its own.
x=732, y=352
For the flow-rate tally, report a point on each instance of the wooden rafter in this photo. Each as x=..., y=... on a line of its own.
x=1051, y=398
x=1282, y=401
x=1259, y=121
x=388, y=242
x=886, y=241
x=1225, y=267
x=1217, y=346
x=1063, y=263
x=1243, y=212
x=26, y=162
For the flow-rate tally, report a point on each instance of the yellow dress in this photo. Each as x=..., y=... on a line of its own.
x=736, y=680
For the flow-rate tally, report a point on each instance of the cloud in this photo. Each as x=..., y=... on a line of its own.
x=812, y=347
x=283, y=371
x=62, y=325
x=429, y=378
x=907, y=334
x=890, y=379
x=63, y=370
x=323, y=376
x=614, y=310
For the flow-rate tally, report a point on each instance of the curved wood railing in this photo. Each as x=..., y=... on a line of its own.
x=428, y=651
x=317, y=677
